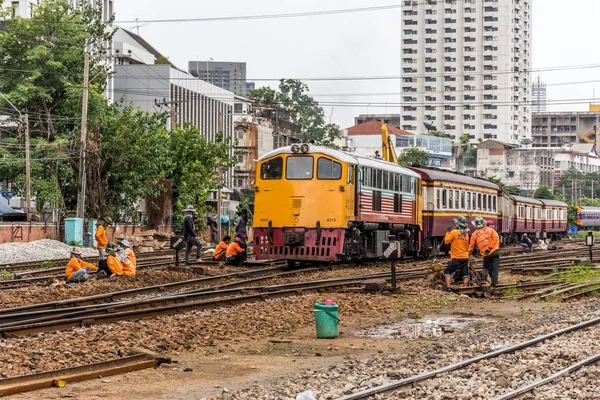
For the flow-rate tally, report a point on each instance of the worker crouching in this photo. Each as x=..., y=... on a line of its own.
x=130, y=262
x=77, y=269
x=235, y=254
x=221, y=249
x=488, y=242
x=458, y=239
x=113, y=265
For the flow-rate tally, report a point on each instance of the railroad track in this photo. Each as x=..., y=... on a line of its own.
x=550, y=345
x=49, y=379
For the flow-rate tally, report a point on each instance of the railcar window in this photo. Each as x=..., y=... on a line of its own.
x=450, y=201
x=494, y=203
x=272, y=169
x=484, y=205
x=373, y=177
x=396, y=182
x=479, y=201
x=406, y=184
x=444, y=199
x=462, y=200
x=438, y=198
x=469, y=201
x=350, y=174
x=490, y=202
x=386, y=180
x=456, y=199
x=299, y=167
x=328, y=169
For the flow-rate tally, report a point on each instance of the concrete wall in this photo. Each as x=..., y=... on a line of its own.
x=26, y=232
x=526, y=169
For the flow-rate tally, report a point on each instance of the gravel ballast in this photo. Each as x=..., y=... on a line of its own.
x=39, y=250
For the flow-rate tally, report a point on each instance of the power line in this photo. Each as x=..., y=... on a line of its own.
x=266, y=16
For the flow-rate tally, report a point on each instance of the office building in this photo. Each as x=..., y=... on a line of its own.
x=538, y=96
x=465, y=68
x=230, y=76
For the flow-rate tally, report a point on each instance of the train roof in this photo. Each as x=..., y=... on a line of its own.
x=529, y=200
x=586, y=208
x=430, y=174
x=555, y=203
x=343, y=156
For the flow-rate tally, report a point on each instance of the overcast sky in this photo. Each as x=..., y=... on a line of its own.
x=359, y=44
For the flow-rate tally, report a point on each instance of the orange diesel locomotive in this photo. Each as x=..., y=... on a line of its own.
x=318, y=204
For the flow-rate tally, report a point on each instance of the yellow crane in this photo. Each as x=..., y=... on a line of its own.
x=388, y=152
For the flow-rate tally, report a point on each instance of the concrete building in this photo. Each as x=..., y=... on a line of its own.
x=465, y=68
x=538, y=96
x=365, y=139
x=389, y=119
x=227, y=75
x=526, y=169
x=23, y=8
x=556, y=129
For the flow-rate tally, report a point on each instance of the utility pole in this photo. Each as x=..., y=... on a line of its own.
x=27, y=169
x=83, y=141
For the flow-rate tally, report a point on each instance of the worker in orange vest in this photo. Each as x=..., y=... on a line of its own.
x=458, y=239
x=130, y=254
x=235, y=253
x=113, y=265
x=101, y=238
x=221, y=249
x=77, y=269
x=488, y=242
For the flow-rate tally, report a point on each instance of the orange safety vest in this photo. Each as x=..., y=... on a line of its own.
x=486, y=239
x=76, y=264
x=459, y=244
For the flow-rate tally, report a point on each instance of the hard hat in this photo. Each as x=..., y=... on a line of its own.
x=125, y=243
x=490, y=223
x=77, y=251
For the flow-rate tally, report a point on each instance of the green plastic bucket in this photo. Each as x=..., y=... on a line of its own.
x=327, y=321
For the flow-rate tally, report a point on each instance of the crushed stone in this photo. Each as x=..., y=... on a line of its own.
x=39, y=250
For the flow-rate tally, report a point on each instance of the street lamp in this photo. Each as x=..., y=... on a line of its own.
x=589, y=241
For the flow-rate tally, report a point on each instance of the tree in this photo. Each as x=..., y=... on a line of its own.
x=471, y=157
x=464, y=138
x=413, y=156
x=437, y=133
x=543, y=192
x=303, y=110
x=198, y=166
x=163, y=60
x=509, y=189
x=42, y=74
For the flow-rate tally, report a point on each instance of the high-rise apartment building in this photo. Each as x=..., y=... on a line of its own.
x=465, y=68
x=538, y=96
x=226, y=75
x=23, y=8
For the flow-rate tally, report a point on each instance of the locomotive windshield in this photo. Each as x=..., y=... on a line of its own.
x=299, y=167
x=328, y=169
x=272, y=169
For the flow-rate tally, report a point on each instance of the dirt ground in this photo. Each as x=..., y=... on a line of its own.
x=206, y=373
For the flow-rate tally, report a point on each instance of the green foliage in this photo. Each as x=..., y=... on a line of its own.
x=162, y=60
x=301, y=109
x=197, y=166
x=413, y=156
x=509, y=189
x=584, y=272
x=543, y=192
x=464, y=138
x=512, y=291
x=7, y=275
x=439, y=134
x=42, y=64
x=471, y=157
x=48, y=264
x=414, y=316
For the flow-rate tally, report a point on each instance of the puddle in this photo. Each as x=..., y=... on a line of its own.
x=423, y=328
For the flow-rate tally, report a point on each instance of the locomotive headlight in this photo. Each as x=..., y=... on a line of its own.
x=304, y=148
x=295, y=148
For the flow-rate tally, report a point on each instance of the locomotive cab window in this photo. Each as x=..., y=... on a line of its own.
x=272, y=169
x=328, y=169
x=299, y=167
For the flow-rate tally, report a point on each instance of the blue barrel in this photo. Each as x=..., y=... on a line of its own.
x=74, y=231
x=327, y=321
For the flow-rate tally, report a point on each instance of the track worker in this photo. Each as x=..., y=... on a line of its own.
x=488, y=242
x=221, y=249
x=130, y=254
x=526, y=243
x=458, y=239
x=101, y=239
x=189, y=235
x=235, y=253
x=491, y=224
x=113, y=265
x=129, y=267
x=77, y=269
x=241, y=226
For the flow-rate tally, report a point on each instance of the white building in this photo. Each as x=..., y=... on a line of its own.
x=465, y=68
x=23, y=8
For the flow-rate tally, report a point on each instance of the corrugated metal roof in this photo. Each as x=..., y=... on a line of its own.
x=528, y=200
x=553, y=203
